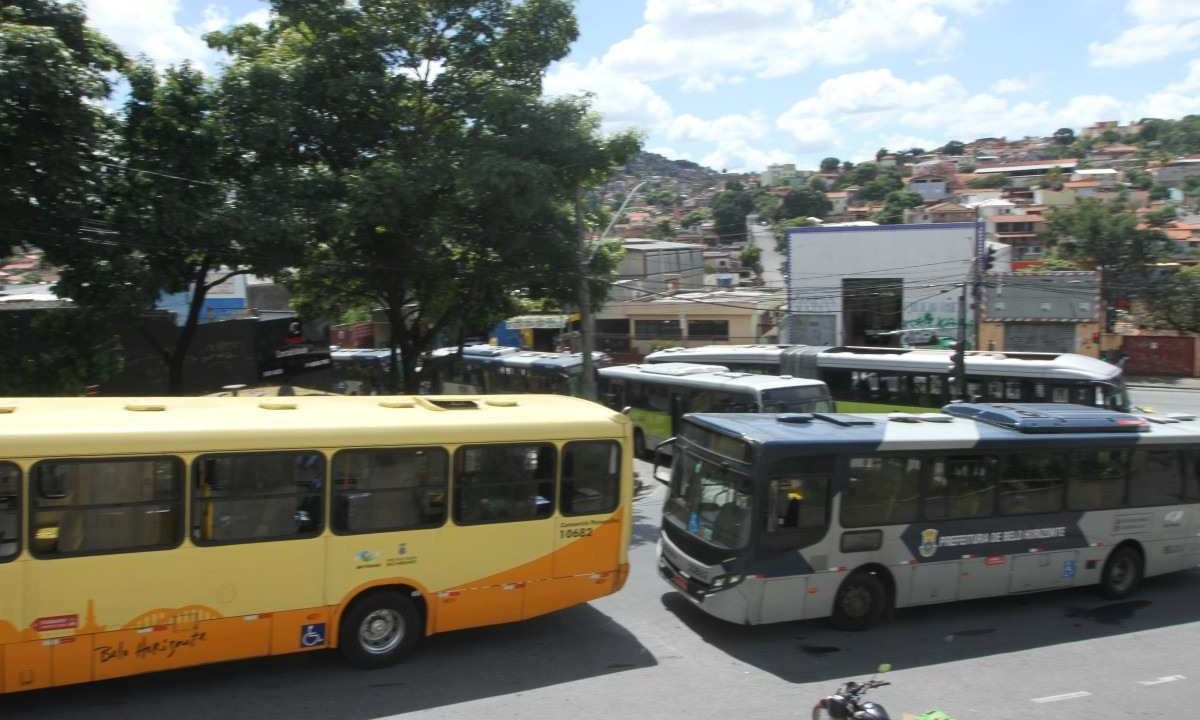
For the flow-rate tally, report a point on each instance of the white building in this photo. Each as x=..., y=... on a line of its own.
x=859, y=285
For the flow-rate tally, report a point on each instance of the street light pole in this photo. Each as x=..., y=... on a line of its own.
x=587, y=330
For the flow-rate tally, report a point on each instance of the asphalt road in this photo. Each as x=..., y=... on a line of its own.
x=1165, y=400
x=646, y=653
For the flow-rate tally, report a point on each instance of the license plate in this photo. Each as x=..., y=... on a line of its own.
x=679, y=582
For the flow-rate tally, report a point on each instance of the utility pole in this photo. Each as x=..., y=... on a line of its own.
x=587, y=329
x=959, y=367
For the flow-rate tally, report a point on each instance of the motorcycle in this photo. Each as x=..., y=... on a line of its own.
x=848, y=704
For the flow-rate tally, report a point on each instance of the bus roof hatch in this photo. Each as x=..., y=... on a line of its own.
x=1049, y=417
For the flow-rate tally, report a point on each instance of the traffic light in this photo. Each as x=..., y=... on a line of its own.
x=989, y=259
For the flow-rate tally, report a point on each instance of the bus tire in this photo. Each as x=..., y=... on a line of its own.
x=379, y=629
x=859, y=603
x=1122, y=573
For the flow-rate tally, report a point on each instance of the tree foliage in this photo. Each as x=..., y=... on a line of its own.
x=439, y=179
x=1106, y=236
x=804, y=202
x=1175, y=301
x=729, y=209
x=1064, y=136
x=895, y=204
x=53, y=76
x=830, y=164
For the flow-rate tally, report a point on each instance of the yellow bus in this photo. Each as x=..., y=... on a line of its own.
x=147, y=534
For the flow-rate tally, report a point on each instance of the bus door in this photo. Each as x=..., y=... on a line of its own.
x=593, y=492
x=502, y=545
x=800, y=583
x=11, y=583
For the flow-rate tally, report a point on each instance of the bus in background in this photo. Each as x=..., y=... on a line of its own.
x=503, y=369
x=879, y=379
x=656, y=396
x=144, y=534
x=773, y=518
x=361, y=371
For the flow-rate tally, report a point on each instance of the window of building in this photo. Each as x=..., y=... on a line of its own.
x=389, y=489
x=881, y=491
x=85, y=507
x=503, y=483
x=10, y=511
x=960, y=487
x=591, y=479
x=1158, y=478
x=1097, y=480
x=1033, y=483
x=247, y=497
x=656, y=329
x=708, y=329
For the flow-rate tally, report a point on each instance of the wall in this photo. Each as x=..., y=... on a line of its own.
x=928, y=258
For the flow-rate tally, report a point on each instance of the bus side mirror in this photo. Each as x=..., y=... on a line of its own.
x=625, y=410
x=662, y=458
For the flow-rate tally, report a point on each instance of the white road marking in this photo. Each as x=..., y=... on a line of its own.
x=1161, y=680
x=1064, y=696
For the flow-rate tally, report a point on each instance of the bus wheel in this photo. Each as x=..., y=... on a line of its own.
x=379, y=629
x=1122, y=573
x=859, y=603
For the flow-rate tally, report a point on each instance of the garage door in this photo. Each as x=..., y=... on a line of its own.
x=1040, y=337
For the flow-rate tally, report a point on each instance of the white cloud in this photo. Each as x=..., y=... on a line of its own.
x=700, y=40
x=1004, y=86
x=1164, y=28
x=1175, y=100
x=622, y=100
x=740, y=156
x=725, y=128
x=152, y=28
x=927, y=113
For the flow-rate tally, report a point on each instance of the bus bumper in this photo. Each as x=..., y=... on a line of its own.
x=732, y=603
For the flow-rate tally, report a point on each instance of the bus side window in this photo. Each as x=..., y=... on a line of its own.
x=591, y=478
x=960, y=486
x=86, y=507
x=10, y=511
x=799, y=501
x=1159, y=476
x=1191, y=481
x=1097, y=479
x=503, y=483
x=247, y=497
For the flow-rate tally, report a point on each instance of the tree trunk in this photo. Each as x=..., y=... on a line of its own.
x=183, y=341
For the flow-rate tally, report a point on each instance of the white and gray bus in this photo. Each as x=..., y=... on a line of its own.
x=656, y=396
x=792, y=516
x=879, y=379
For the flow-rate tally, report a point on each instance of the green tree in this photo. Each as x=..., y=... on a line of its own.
x=989, y=180
x=881, y=186
x=663, y=230
x=692, y=219
x=751, y=257
x=895, y=204
x=1176, y=301
x=880, y=153
x=54, y=75
x=818, y=184
x=954, y=147
x=830, y=164
x=1159, y=192
x=1064, y=136
x=1139, y=179
x=440, y=181
x=729, y=209
x=804, y=202
x=1107, y=236
x=1162, y=216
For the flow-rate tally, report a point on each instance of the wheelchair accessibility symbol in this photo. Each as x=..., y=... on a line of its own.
x=312, y=635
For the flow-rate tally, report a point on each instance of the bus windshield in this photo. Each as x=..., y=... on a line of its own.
x=813, y=398
x=710, y=501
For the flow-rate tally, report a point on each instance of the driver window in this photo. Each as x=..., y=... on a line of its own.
x=800, y=500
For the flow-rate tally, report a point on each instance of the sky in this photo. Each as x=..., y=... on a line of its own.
x=737, y=85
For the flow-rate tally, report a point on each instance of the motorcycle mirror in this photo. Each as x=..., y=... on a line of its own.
x=885, y=667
